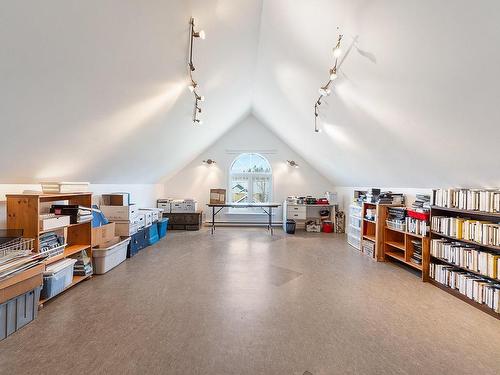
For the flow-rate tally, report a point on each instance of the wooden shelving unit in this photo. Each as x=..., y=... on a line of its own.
x=373, y=230
x=23, y=212
x=479, y=215
x=398, y=246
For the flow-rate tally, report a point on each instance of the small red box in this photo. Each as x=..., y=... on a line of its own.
x=419, y=215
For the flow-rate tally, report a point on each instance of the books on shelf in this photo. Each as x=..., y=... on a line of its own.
x=483, y=232
x=472, y=286
x=485, y=200
x=391, y=198
x=77, y=213
x=396, y=218
x=83, y=265
x=416, y=226
x=467, y=256
x=422, y=203
x=416, y=257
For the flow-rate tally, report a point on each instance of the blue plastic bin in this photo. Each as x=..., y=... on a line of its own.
x=18, y=311
x=162, y=227
x=138, y=241
x=152, y=234
x=55, y=283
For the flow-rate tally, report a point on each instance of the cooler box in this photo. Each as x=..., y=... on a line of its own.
x=107, y=256
x=162, y=227
x=57, y=277
x=19, y=311
x=153, y=236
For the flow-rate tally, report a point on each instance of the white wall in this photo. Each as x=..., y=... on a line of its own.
x=97, y=90
x=196, y=179
x=145, y=195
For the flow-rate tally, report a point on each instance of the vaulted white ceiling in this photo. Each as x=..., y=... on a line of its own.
x=416, y=101
x=97, y=90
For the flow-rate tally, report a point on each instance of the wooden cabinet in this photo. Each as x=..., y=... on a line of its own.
x=184, y=220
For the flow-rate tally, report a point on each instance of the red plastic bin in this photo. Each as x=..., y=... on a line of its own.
x=327, y=227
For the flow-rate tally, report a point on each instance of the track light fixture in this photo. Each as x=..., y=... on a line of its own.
x=326, y=90
x=209, y=162
x=292, y=163
x=193, y=87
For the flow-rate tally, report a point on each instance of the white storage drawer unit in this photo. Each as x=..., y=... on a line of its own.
x=296, y=212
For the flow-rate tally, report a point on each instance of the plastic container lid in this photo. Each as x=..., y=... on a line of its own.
x=60, y=265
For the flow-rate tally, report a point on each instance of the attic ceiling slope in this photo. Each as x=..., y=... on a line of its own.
x=98, y=91
x=415, y=103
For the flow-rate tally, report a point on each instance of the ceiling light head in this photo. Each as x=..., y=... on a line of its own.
x=333, y=74
x=200, y=34
x=192, y=86
x=317, y=130
x=325, y=91
x=292, y=163
x=209, y=162
x=197, y=121
x=337, y=52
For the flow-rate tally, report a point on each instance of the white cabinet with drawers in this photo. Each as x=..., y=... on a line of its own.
x=302, y=212
x=296, y=212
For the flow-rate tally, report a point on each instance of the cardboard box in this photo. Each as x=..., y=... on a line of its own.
x=155, y=212
x=126, y=228
x=184, y=206
x=217, y=196
x=103, y=234
x=165, y=206
x=141, y=221
x=116, y=199
x=120, y=213
x=148, y=217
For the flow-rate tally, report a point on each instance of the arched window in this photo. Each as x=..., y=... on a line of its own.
x=250, y=179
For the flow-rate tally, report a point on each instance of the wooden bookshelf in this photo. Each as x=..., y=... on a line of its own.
x=373, y=230
x=23, y=212
x=460, y=296
x=440, y=260
x=466, y=214
x=398, y=246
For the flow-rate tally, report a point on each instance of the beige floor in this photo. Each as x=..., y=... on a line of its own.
x=242, y=302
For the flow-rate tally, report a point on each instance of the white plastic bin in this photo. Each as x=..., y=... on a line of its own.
x=108, y=256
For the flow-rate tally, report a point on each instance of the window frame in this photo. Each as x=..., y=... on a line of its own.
x=250, y=176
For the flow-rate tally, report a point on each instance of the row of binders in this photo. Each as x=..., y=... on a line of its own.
x=475, y=287
x=483, y=232
x=467, y=256
x=486, y=200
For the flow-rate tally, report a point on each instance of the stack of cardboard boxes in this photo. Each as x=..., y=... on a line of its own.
x=138, y=223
